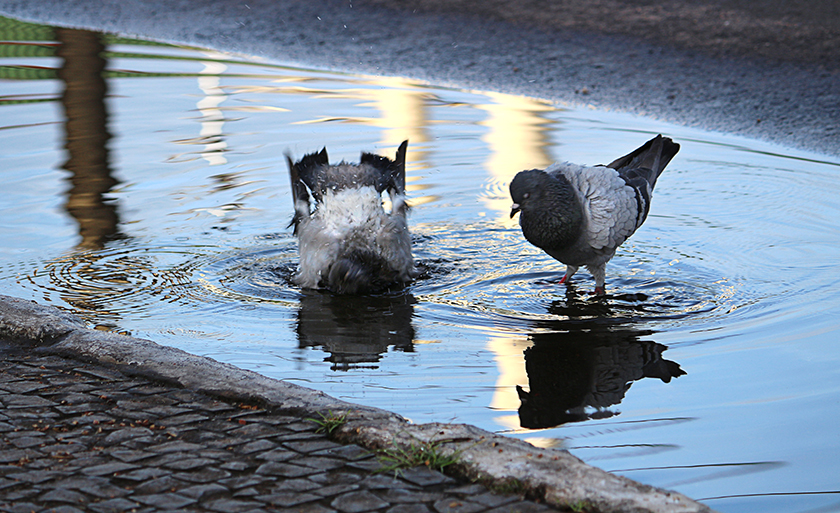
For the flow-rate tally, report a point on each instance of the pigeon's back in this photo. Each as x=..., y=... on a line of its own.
x=608, y=208
x=321, y=178
x=615, y=199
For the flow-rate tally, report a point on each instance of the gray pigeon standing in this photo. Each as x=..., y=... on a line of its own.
x=349, y=244
x=580, y=215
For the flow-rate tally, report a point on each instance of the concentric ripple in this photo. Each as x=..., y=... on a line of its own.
x=104, y=286
x=253, y=276
x=473, y=286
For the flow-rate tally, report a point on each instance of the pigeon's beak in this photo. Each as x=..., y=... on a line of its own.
x=514, y=209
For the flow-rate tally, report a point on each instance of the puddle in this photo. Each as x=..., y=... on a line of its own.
x=152, y=198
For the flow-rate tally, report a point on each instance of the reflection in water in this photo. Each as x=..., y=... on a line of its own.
x=87, y=136
x=578, y=364
x=518, y=137
x=86, y=132
x=355, y=330
x=105, y=286
x=213, y=120
x=403, y=114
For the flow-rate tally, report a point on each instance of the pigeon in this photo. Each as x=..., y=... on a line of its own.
x=349, y=244
x=579, y=214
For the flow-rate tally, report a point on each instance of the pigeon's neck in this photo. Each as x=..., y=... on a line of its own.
x=558, y=222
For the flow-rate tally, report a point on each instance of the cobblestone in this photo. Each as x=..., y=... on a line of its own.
x=80, y=437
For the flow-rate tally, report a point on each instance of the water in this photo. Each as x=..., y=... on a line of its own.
x=156, y=202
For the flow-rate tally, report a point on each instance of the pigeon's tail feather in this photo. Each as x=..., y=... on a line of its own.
x=640, y=169
x=359, y=272
x=648, y=161
x=398, y=171
x=662, y=369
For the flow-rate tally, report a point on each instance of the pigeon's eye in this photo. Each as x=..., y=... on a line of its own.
x=526, y=195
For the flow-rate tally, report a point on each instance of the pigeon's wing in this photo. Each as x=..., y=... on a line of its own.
x=640, y=168
x=392, y=176
x=392, y=172
x=396, y=182
x=396, y=178
x=311, y=170
x=610, y=210
x=300, y=195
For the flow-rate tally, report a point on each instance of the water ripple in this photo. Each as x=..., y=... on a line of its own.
x=106, y=283
x=509, y=285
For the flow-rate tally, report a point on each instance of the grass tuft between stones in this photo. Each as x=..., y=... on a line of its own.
x=429, y=454
x=329, y=422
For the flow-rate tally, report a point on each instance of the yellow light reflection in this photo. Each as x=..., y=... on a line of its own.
x=517, y=139
x=546, y=443
x=403, y=111
x=510, y=360
x=403, y=115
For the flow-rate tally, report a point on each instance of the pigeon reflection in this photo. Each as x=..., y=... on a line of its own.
x=578, y=368
x=355, y=330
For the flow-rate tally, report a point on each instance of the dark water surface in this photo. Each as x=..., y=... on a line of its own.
x=146, y=191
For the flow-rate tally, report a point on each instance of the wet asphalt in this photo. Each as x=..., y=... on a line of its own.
x=764, y=69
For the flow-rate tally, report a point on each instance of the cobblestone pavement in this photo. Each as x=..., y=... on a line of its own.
x=80, y=437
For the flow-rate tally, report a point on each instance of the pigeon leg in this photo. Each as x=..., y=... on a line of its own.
x=570, y=270
x=599, y=272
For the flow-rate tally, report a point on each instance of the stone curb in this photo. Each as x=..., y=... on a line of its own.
x=554, y=476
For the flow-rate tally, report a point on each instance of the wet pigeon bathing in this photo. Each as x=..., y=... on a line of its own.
x=349, y=244
x=579, y=215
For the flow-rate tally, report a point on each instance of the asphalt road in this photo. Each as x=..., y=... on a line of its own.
x=766, y=69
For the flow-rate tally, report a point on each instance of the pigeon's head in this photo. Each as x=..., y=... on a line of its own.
x=527, y=189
